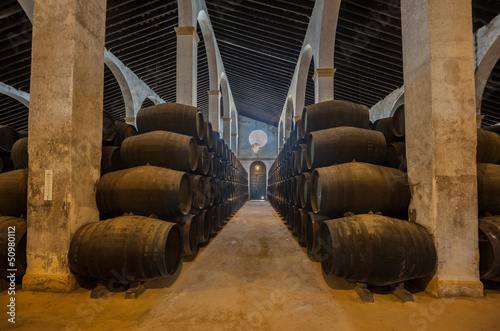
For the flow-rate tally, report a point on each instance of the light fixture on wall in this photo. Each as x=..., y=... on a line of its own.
x=258, y=139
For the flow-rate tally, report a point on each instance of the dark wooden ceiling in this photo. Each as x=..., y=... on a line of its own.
x=259, y=41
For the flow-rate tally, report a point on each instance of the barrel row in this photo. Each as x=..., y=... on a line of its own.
x=181, y=183
x=327, y=184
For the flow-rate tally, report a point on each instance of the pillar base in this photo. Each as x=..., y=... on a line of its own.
x=50, y=283
x=455, y=288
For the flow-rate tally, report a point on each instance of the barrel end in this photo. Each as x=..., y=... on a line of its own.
x=50, y=283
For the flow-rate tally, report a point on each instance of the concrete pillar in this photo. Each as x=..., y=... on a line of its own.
x=234, y=143
x=226, y=130
x=187, y=65
x=323, y=84
x=65, y=126
x=441, y=137
x=214, y=108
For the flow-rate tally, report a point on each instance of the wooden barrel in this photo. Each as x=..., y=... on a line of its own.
x=190, y=234
x=305, y=190
x=489, y=248
x=211, y=161
x=398, y=122
x=19, y=153
x=13, y=231
x=204, y=225
x=6, y=163
x=111, y=159
x=173, y=117
x=215, y=142
x=135, y=247
x=488, y=147
x=384, y=125
x=108, y=127
x=198, y=190
x=395, y=156
x=208, y=136
x=334, y=113
x=123, y=131
x=210, y=182
x=359, y=188
x=8, y=136
x=344, y=144
x=376, y=249
x=312, y=234
x=488, y=188
x=160, y=148
x=215, y=218
x=144, y=191
x=14, y=193
x=302, y=226
x=203, y=161
x=494, y=128
x=22, y=134
x=301, y=135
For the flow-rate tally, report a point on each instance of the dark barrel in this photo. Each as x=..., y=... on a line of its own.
x=384, y=125
x=111, y=159
x=494, y=128
x=19, y=153
x=136, y=247
x=208, y=136
x=161, y=148
x=144, y=191
x=489, y=248
x=302, y=226
x=334, y=113
x=204, y=225
x=198, y=190
x=203, y=161
x=14, y=193
x=488, y=188
x=210, y=191
x=8, y=137
x=488, y=147
x=398, y=122
x=189, y=234
x=376, y=249
x=395, y=156
x=359, y=188
x=344, y=144
x=108, y=127
x=123, y=131
x=312, y=234
x=172, y=117
x=305, y=190
x=12, y=228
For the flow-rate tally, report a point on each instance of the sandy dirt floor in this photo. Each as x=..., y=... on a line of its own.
x=252, y=275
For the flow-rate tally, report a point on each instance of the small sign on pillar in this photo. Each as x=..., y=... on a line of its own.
x=48, y=186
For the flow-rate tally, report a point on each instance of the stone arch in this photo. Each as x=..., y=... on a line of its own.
x=399, y=102
x=224, y=86
x=19, y=95
x=484, y=70
x=289, y=113
x=211, y=49
x=123, y=83
x=300, y=94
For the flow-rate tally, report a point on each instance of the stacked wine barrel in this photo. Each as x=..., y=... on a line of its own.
x=179, y=184
x=488, y=184
x=113, y=135
x=394, y=131
x=330, y=187
x=13, y=201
